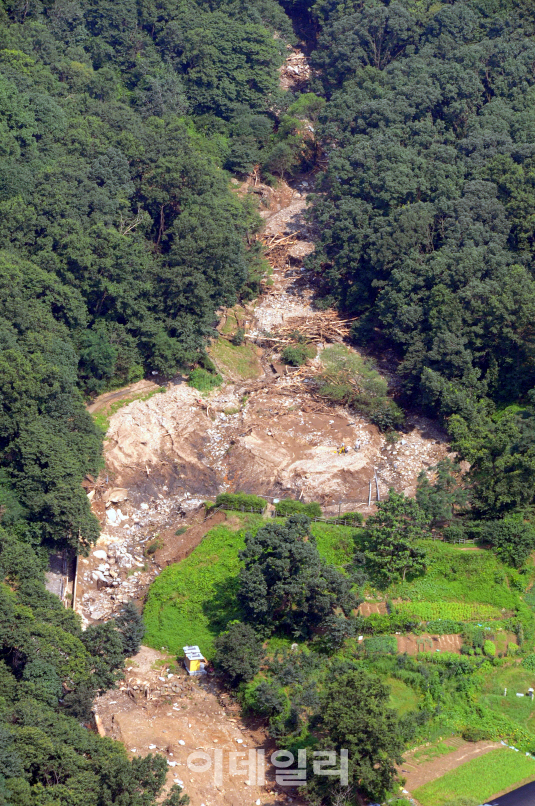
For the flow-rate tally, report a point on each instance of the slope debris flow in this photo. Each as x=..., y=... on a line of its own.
x=263, y=431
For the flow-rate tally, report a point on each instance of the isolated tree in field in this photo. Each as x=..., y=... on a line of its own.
x=285, y=583
x=131, y=627
x=355, y=716
x=441, y=499
x=238, y=652
x=391, y=537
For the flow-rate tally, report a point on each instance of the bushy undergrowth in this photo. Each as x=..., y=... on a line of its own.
x=288, y=506
x=204, y=381
x=241, y=501
x=352, y=380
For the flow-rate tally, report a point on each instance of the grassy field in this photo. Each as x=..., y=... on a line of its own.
x=402, y=697
x=238, y=362
x=479, y=779
x=192, y=601
x=514, y=679
x=456, y=576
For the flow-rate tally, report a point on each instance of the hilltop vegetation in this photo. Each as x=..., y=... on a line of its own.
x=120, y=238
x=283, y=665
x=426, y=212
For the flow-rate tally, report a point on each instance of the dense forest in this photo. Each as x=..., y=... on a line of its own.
x=426, y=215
x=121, y=127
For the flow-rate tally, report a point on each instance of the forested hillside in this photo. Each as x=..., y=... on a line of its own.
x=426, y=215
x=121, y=126
x=120, y=235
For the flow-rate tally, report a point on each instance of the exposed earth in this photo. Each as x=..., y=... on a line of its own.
x=159, y=709
x=263, y=431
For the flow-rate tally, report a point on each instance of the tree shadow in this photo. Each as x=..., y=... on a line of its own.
x=223, y=606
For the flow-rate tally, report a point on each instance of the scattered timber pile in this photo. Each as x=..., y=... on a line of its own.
x=324, y=326
x=276, y=248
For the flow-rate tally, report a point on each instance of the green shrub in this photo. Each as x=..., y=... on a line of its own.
x=296, y=355
x=473, y=734
x=181, y=531
x=203, y=380
x=444, y=626
x=290, y=507
x=241, y=501
x=529, y=662
x=489, y=649
x=512, y=649
x=239, y=337
x=153, y=547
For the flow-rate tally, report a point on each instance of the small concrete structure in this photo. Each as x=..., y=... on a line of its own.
x=194, y=660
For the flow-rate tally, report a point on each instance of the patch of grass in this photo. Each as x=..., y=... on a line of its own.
x=204, y=381
x=480, y=778
x=457, y=576
x=236, y=361
x=102, y=417
x=232, y=322
x=192, y=601
x=335, y=543
x=435, y=750
x=515, y=679
x=402, y=697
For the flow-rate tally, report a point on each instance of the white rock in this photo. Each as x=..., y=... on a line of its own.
x=172, y=763
x=100, y=554
x=182, y=742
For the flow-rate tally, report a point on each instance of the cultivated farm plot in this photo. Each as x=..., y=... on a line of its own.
x=413, y=644
x=480, y=779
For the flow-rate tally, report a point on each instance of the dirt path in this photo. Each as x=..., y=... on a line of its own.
x=103, y=401
x=418, y=774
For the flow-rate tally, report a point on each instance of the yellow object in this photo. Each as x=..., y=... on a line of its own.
x=194, y=660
